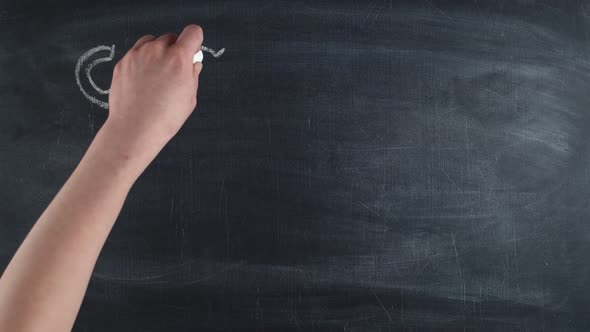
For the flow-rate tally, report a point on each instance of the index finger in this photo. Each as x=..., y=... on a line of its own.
x=190, y=39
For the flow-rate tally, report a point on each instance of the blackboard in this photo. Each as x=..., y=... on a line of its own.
x=351, y=166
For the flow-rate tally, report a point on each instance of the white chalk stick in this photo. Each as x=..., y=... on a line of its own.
x=198, y=57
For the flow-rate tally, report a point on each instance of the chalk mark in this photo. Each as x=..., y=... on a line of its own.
x=440, y=10
x=368, y=208
x=214, y=53
x=457, y=256
x=449, y=177
x=87, y=70
x=381, y=304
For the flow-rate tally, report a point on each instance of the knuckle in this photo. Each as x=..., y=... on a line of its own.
x=151, y=52
x=165, y=38
x=131, y=53
x=142, y=41
x=118, y=67
x=144, y=37
x=176, y=56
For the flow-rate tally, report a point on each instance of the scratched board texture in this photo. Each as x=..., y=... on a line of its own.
x=351, y=166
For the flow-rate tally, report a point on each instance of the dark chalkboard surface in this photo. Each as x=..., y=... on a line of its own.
x=351, y=166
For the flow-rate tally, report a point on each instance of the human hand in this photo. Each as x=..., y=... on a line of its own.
x=153, y=92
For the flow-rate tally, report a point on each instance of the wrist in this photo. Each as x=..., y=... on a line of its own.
x=112, y=149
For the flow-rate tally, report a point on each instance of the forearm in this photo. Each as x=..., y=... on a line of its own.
x=152, y=93
x=44, y=284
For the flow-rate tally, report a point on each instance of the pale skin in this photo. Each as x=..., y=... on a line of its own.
x=152, y=93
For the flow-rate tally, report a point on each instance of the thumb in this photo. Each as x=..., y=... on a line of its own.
x=197, y=67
